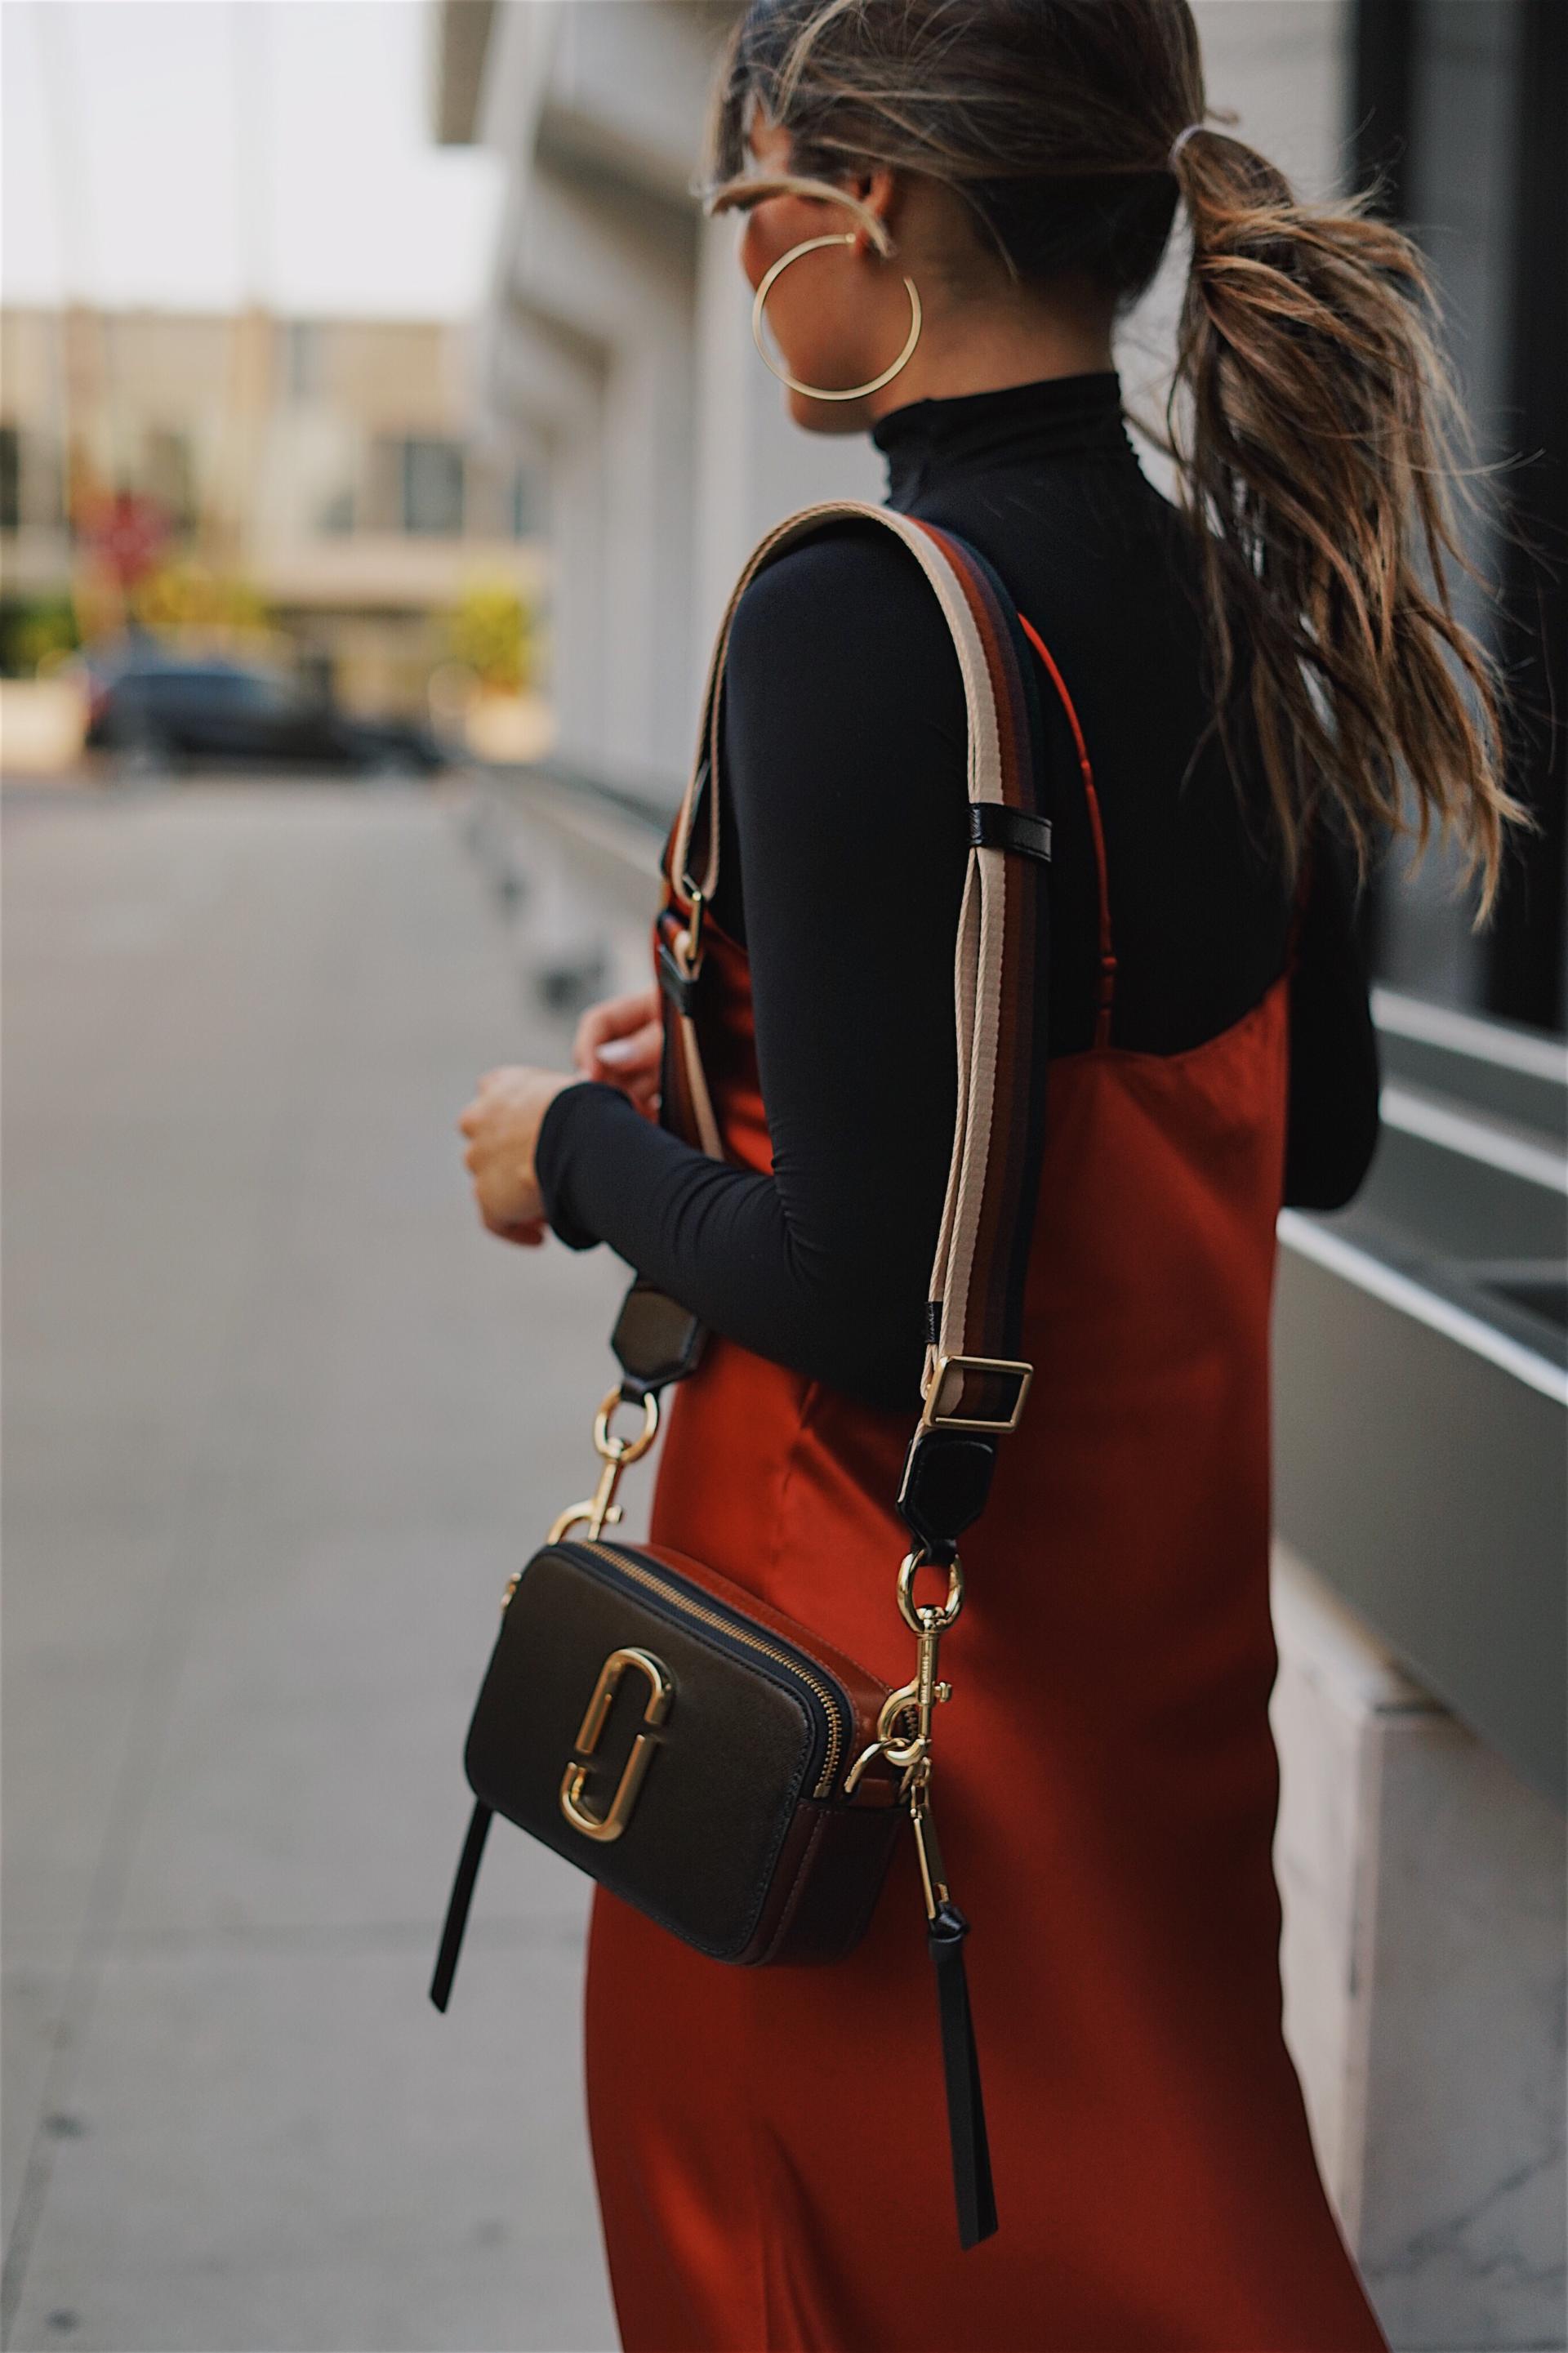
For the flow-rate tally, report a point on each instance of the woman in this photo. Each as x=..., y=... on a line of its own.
x=1260, y=679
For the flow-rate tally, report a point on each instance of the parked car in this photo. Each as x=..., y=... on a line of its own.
x=158, y=713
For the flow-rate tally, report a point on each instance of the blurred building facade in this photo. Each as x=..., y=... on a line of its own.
x=1455, y=111
x=318, y=477
x=614, y=345
x=1422, y=1358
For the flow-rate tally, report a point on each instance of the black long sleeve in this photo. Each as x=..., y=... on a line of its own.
x=842, y=870
x=848, y=830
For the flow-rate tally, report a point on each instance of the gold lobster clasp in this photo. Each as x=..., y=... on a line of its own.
x=909, y=1750
x=600, y=1510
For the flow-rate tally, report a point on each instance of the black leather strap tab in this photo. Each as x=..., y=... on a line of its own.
x=655, y=1340
x=992, y=824
x=462, y=1895
x=678, y=986
x=947, y=1478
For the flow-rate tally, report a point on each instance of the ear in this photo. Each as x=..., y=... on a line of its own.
x=880, y=194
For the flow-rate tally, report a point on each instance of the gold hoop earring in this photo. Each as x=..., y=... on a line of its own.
x=813, y=391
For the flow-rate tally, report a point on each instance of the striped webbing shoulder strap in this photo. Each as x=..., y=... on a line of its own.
x=973, y=1385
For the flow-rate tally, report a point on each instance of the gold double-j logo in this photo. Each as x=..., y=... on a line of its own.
x=655, y=1707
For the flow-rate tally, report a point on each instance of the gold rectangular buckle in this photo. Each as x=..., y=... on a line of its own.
x=932, y=1417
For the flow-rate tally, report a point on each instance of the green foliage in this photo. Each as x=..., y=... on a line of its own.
x=34, y=628
x=181, y=595
x=489, y=630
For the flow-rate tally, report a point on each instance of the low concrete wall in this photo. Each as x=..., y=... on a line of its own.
x=42, y=723
x=1423, y=1883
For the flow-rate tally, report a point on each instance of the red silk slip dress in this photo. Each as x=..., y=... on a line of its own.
x=771, y=2145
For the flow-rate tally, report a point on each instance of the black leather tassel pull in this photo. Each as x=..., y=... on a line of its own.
x=961, y=2064
x=462, y=1895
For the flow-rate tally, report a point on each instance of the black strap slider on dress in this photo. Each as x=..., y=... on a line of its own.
x=655, y=1341
x=679, y=987
x=994, y=825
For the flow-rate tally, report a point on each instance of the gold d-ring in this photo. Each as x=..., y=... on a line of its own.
x=923, y=1617
x=625, y=1449
x=601, y=1510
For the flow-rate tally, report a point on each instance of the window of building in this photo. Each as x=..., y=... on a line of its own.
x=10, y=478
x=304, y=362
x=379, y=506
x=433, y=487
x=46, y=481
x=168, y=474
x=335, y=515
x=1457, y=109
x=527, y=502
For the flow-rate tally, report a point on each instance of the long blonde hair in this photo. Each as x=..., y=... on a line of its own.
x=1317, y=440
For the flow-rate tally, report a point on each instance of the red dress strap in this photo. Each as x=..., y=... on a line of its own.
x=1097, y=833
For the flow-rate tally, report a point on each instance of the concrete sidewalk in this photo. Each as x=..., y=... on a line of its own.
x=281, y=1421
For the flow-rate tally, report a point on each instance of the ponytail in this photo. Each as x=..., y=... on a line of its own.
x=1313, y=426
x=1316, y=434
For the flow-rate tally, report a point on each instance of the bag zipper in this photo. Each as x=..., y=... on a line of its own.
x=830, y=1702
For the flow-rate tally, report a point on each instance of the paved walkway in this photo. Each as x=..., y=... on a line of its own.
x=280, y=1420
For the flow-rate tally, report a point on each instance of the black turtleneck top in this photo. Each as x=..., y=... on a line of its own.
x=842, y=865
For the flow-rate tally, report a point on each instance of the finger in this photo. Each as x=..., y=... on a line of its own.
x=527, y=1235
x=638, y=1051
x=595, y=1024
x=614, y=1019
x=628, y=1011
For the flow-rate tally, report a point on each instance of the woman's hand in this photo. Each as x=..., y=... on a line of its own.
x=618, y=1043
x=502, y=1126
